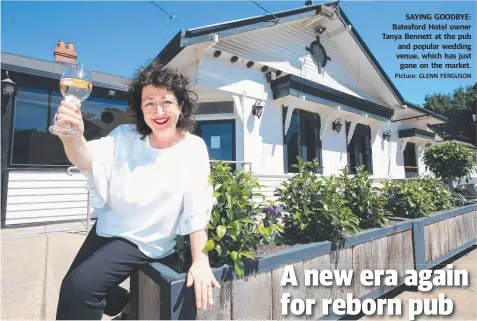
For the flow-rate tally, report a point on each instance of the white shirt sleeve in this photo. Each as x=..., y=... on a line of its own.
x=103, y=151
x=198, y=197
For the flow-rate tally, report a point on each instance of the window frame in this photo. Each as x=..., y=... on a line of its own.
x=50, y=93
x=301, y=114
x=361, y=132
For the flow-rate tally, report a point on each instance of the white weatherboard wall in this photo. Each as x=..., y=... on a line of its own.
x=388, y=159
x=334, y=151
x=261, y=140
x=35, y=197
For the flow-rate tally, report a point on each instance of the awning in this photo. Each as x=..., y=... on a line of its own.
x=294, y=86
x=415, y=135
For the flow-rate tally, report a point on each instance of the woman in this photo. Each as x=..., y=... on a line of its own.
x=153, y=178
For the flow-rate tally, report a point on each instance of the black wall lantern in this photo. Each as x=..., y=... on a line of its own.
x=257, y=108
x=9, y=88
x=337, y=125
x=387, y=135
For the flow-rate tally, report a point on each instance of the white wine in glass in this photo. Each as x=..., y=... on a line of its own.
x=76, y=86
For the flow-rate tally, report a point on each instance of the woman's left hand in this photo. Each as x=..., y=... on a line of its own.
x=200, y=274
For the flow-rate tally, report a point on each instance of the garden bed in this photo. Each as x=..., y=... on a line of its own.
x=158, y=292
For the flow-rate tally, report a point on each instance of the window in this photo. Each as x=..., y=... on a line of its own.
x=31, y=138
x=359, y=148
x=302, y=139
x=34, y=145
x=410, y=160
x=100, y=116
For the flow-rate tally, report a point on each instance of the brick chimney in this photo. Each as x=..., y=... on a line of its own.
x=64, y=53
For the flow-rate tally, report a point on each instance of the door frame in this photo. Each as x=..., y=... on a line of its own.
x=223, y=121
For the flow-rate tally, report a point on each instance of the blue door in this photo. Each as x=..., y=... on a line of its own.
x=219, y=136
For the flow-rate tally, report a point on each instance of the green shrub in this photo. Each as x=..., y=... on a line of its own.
x=449, y=161
x=234, y=232
x=364, y=200
x=419, y=197
x=408, y=199
x=441, y=197
x=315, y=208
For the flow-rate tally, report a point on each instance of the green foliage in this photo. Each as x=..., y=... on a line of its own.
x=449, y=161
x=316, y=210
x=418, y=197
x=364, y=200
x=234, y=230
x=458, y=107
x=440, y=196
x=463, y=98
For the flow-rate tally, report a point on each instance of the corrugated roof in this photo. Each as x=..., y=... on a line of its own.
x=52, y=69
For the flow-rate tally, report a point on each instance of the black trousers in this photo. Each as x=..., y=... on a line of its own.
x=91, y=285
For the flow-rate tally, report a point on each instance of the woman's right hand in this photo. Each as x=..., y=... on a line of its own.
x=70, y=114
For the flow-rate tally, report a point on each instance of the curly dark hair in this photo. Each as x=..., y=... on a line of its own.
x=157, y=75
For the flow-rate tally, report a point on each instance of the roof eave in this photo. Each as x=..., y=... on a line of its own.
x=190, y=37
x=425, y=111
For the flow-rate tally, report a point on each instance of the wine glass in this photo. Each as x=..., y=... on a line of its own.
x=76, y=85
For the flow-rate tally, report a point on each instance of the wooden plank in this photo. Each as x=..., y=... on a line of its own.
x=45, y=184
x=319, y=292
x=443, y=237
x=407, y=251
x=47, y=198
x=44, y=219
x=451, y=234
x=296, y=292
x=46, y=191
x=45, y=206
x=474, y=214
x=45, y=213
x=434, y=241
x=471, y=225
x=45, y=176
x=363, y=259
x=427, y=242
x=149, y=298
x=222, y=307
x=460, y=230
x=341, y=260
x=466, y=231
x=252, y=297
x=395, y=255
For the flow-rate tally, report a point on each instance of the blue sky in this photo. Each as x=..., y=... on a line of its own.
x=118, y=37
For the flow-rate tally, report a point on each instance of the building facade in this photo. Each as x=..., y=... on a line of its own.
x=299, y=83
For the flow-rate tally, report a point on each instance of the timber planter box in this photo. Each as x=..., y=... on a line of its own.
x=444, y=234
x=160, y=293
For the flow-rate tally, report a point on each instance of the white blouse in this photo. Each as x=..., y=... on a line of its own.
x=150, y=195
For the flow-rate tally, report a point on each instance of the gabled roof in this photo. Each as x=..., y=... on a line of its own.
x=189, y=37
x=52, y=69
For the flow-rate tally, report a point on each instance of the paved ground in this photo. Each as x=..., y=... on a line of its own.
x=464, y=298
x=34, y=261
x=33, y=264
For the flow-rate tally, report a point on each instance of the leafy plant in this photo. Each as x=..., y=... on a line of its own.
x=364, y=200
x=271, y=225
x=440, y=196
x=234, y=230
x=316, y=210
x=449, y=161
x=419, y=197
x=408, y=199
